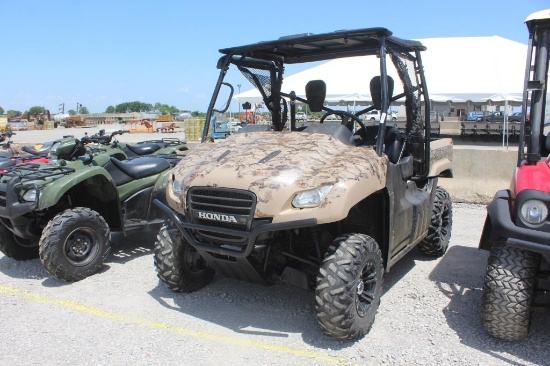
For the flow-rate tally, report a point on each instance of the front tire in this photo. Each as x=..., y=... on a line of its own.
x=179, y=266
x=349, y=286
x=74, y=244
x=15, y=247
x=439, y=234
x=509, y=291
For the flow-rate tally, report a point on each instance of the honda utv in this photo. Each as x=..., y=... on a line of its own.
x=517, y=227
x=327, y=206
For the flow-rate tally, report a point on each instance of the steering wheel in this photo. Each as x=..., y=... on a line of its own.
x=343, y=115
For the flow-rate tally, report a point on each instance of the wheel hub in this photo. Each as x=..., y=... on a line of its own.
x=79, y=246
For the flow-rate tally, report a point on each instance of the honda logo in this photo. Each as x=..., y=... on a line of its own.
x=217, y=217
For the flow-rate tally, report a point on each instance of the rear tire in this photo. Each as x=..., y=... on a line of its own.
x=509, y=291
x=349, y=286
x=179, y=266
x=74, y=244
x=15, y=247
x=439, y=234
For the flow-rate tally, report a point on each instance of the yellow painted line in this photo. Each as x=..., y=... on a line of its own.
x=4, y=290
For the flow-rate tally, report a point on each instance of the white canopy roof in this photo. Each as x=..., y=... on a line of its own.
x=477, y=69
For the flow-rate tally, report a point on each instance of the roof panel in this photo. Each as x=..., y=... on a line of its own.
x=317, y=47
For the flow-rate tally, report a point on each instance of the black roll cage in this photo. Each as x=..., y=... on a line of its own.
x=273, y=55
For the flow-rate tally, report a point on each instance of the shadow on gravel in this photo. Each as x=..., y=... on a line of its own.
x=251, y=309
x=459, y=275
x=31, y=269
x=402, y=268
x=123, y=249
x=126, y=248
x=273, y=311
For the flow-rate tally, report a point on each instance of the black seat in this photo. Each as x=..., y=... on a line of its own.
x=142, y=149
x=124, y=172
x=393, y=140
x=393, y=144
x=142, y=167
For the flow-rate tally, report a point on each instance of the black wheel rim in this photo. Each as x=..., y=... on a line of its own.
x=81, y=246
x=366, y=289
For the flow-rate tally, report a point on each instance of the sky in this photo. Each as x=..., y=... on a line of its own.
x=102, y=53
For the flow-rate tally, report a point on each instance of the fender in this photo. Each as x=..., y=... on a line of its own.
x=53, y=192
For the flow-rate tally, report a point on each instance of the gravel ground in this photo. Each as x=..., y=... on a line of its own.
x=429, y=315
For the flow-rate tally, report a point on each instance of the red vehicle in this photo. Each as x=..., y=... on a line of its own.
x=517, y=228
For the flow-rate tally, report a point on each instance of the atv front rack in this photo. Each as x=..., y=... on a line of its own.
x=28, y=172
x=167, y=141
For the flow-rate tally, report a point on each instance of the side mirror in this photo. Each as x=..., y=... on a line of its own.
x=316, y=91
x=224, y=97
x=376, y=91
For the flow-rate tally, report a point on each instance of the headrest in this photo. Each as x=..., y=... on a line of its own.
x=376, y=91
x=316, y=91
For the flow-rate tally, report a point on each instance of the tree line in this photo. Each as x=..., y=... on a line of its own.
x=127, y=107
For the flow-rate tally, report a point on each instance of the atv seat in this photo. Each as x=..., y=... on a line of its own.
x=143, y=149
x=393, y=141
x=124, y=172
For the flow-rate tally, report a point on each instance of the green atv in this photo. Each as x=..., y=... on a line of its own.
x=102, y=142
x=64, y=211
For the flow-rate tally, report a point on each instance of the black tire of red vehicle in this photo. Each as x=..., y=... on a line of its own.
x=349, y=286
x=508, y=292
x=17, y=248
x=439, y=233
x=74, y=244
x=179, y=266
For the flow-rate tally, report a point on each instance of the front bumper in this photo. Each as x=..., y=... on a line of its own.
x=519, y=237
x=10, y=207
x=251, y=236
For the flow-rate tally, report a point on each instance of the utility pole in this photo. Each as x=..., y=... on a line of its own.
x=62, y=108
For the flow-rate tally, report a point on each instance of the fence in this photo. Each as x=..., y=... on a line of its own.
x=488, y=130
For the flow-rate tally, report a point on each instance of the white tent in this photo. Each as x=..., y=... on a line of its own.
x=476, y=69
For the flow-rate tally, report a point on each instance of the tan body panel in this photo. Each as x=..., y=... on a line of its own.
x=277, y=165
x=441, y=156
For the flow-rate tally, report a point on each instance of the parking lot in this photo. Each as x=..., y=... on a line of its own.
x=429, y=314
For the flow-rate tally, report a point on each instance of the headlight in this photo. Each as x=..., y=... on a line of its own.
x=312, y=198
x=533, y=212
x=30, y=195
x=177, y=187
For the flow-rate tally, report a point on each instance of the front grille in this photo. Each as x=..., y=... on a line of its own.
x=223, y=208
x=3, y=198
x=224, y=201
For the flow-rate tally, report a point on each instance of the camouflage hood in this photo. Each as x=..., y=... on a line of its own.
x=277, y=165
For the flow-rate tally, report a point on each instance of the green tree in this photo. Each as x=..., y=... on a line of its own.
x=37, y=110
x=15, y=113
x=1, y=110
x=110, y=109
x=136, y=106
x=84, y=110
x=71, y=112
x=166, y=109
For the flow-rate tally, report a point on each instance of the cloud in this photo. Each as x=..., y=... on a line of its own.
x=183, y=90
